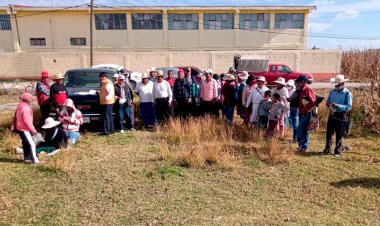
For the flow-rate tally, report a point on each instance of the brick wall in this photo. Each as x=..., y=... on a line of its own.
x=27, y=65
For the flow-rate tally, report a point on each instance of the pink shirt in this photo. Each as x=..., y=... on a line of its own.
x=24, y=118
x=209, y=90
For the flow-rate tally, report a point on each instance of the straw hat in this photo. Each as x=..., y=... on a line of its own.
x=244, y=75
x=208, y=71
x=291, y=83
x=230, y=77
x=280, y=81
x=339, y=79
x=261, y=78
x=58, y=76
x=145, y=75
x=160, y=73
x=50, y=123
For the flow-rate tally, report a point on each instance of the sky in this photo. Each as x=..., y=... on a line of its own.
x=358, y=20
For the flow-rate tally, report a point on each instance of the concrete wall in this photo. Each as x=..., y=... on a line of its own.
x=26, y=65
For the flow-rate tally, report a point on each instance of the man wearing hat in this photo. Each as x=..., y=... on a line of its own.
x=284, y=94
x=145, y=91
x=162, y=95
x=255, y=97
x=209, y=94
x=240, y=108
x=106, y=100
x=191, y=106
x=307, y=101
x=339, y=103
x=123, y=102
x=293, y=107
x=230, y=97
x=58, y=92
x=181, y=95
x=115, y=77
x=126, y=73
x=43, y=94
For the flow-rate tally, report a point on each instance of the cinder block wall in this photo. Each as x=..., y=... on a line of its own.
x=30, y=64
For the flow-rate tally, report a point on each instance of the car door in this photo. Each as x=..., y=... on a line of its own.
x=272, y=74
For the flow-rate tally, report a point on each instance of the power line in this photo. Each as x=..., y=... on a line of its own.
x=330, y=36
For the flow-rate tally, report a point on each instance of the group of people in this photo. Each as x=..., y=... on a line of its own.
x=163, y=97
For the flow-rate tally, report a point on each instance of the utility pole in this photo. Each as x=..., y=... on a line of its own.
x=91, y=33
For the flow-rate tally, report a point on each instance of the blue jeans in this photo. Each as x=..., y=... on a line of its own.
x=148, y=114
x=303, y=131
x=124, y=112
x=229, y=112
x=73, y=136
x=294, y=121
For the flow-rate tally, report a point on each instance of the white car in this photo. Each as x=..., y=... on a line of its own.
x=134, y=77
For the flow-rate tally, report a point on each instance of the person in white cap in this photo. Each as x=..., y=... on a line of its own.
x=240, y=107
x=339, y=103
x=115, y=78
x=251, y=84
x=55, y=137
x=163, y=96
x=145, y=91
x=284, y=94
x=123, y=103
x=256, y=96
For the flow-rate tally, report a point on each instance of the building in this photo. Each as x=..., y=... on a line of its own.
x=147, y=28
x=59, y=38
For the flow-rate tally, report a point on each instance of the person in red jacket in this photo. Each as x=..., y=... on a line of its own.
x=23, y=125
x=307, y=101
x=43, y=95
x=58, y=92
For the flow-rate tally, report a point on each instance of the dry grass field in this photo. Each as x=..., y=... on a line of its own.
x=194, y=173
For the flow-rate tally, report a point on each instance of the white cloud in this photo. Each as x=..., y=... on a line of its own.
x=347, y=15
x=319, y=27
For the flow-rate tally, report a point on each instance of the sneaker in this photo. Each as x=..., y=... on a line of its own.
x=337, y=156
x=122, y=131
x=19, y=150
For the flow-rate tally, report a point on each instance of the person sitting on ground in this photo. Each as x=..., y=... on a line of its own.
x=71, y=119
x=55, y=138
x=264, y=110
x=23, y=125
x=276, y=110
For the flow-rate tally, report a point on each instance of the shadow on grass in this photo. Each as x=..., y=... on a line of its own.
x=310, y=154
x=10, y=160
x=365, y=182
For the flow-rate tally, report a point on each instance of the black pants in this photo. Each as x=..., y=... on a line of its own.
x=45, y=110
x=208, y=108
x=108, y=123
x=28, y=146
x=263, y=121
x=181, y=108
x=335, y=125
x=162, y=109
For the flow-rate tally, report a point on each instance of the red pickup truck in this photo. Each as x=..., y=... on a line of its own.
x=271, y=72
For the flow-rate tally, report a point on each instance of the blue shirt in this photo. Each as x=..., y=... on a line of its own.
x=341, y=97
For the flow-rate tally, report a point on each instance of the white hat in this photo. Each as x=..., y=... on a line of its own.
x=339, y=79
x=261, y=78
x=160, y=73
x=115, y=75
x=290, y=83
x=50, y=123
x=244, y=75
x=230, y=77
x=280, y=81
x=208, y=71
x=145, y=75
x=121, y=77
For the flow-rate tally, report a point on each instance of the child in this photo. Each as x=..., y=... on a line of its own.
x=264, y=110
x=277, y=108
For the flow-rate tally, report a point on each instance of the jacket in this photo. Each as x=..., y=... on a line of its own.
x=105, y=93
x=71, y=122
x=127, y=92
x=43, y=93
x=181, y=89
x=230, y=93
x=58, y=94
x=24, y=118
x=307, y=99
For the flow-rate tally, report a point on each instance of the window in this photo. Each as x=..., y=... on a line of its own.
x=283, y=69
x=218, y=21
x=117, y=21
x=289, y=21
x=273, y=69
x=183, y=21
x=149, y=21
x=254, y=21
x=37, y=42
x=78, y=41
x=5, y=22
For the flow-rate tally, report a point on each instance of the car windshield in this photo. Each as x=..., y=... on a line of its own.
x=84, y=79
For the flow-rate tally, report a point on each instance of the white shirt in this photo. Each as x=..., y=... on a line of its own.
x=145, y=92
x=162, y=90
x=284, y=94
x=256, y=95
x=109, y=89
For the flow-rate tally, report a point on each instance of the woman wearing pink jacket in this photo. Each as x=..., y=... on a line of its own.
x=23, y=125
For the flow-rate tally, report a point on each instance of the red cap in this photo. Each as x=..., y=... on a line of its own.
x=44, y=74
x=26, y=96
x=181, y=71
